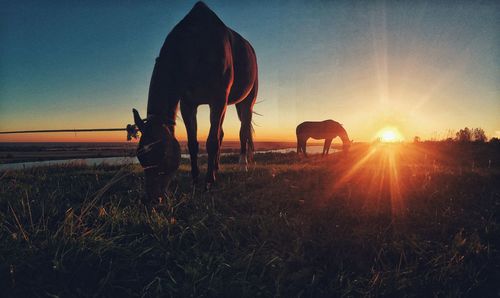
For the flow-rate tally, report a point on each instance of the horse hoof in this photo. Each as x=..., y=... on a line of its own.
x=208, y=186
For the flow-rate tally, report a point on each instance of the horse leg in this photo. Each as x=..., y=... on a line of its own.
x=189, y=116
x=245, y=132
x=298, y=145
x=217, y=113
x=326, y=147
x=217, y=161
x=245, y=112
x=303, y=145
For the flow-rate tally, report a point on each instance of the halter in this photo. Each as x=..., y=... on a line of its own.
x=150, y=168
x=160, y=168
x=147, y=148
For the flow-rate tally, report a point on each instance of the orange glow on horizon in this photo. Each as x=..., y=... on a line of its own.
x=89, y=137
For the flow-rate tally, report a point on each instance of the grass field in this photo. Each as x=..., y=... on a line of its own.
x=417, y=220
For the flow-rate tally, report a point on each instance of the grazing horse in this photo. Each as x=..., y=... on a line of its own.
x=202, y=61
x=327, y=130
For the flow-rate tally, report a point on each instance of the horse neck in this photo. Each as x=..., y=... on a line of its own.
x=165, y=119
x=162, y=102
x=343, y=136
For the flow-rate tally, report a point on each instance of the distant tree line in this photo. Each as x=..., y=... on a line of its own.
x=471, y=135
x=466, y=135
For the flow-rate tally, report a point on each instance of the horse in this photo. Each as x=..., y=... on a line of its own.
x=202, y=61
x=319, y=130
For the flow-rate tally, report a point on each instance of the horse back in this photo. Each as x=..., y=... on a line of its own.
x=203, y=55
x=318, y=130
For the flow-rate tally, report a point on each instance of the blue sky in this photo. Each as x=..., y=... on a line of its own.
x=422, y=67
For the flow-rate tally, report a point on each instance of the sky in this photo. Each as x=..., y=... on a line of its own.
x=425, y=68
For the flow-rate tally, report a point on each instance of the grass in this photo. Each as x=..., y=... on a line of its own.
x=408, y=220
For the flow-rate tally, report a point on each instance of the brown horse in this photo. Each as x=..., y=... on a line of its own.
x=327, y=130
x=202, y=61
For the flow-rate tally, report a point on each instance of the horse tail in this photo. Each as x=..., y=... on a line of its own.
x=250, y=138
x=245, y=113
x=253, y=94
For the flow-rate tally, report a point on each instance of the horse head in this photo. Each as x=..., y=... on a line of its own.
x=346, y=145
x=158, y=153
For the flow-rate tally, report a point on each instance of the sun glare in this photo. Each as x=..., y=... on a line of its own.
x=389, y=135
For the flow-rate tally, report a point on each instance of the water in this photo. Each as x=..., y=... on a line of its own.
x=128, y=160
x=82, y=161
x=315, y=149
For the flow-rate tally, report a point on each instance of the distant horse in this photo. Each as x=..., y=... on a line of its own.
x=327, y=130
x=202, y=61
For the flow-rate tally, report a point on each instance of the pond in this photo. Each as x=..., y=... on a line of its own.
x=129, y=160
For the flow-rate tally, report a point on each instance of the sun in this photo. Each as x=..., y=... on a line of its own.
x=389, y=135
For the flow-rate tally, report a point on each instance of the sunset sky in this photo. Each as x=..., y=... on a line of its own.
x=420, y=67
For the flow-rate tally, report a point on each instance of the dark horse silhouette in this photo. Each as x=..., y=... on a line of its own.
x=327, y=130
x=202, y=61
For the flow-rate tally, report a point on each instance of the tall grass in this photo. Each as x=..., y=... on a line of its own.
x=282, y=229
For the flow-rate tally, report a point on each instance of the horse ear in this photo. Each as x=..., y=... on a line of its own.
x=138, y=121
